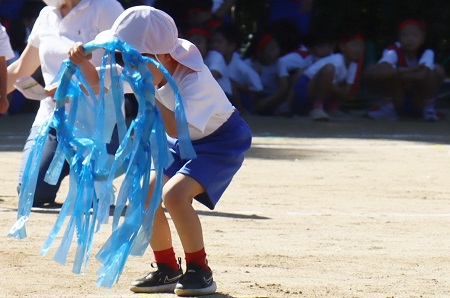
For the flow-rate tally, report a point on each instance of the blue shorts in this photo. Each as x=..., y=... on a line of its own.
x=302, y=104
x=219, y=157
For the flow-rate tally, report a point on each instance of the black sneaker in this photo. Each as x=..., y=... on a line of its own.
x=163, y=280
x=196, y=281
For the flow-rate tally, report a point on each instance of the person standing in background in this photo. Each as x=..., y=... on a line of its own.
x=59, y=25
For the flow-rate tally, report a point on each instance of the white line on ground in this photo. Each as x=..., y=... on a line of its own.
x=368, y=214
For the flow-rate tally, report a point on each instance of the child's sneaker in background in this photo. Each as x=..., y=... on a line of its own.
x=430, y=114
x=319, y=114
x=385, y=112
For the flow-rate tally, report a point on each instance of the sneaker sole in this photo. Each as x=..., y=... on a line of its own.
x=47, y=209
x=169, y=288
x=192, y=292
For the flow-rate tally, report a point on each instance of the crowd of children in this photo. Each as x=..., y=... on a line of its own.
x=282, y=70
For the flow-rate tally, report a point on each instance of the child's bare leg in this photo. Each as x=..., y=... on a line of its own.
x=321, y=86
x=161, y=235
x=289, y=83
x=168, y=272
x=177, y=197
x=178, y=193
x=161, y=240
x=430, y=85
x=396, y=90
x=388, y=88
x=426, y=92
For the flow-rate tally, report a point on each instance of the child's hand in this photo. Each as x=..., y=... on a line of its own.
x=50, y=90
x=77, y=54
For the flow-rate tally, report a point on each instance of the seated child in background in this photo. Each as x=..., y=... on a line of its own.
x=245, y=81
x=277, y=45
x=214, y=60
x=263, y=58
x=292, y=65
x=328, y=80
x=406, y=76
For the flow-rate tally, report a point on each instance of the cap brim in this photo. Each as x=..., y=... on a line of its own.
x=187, y=54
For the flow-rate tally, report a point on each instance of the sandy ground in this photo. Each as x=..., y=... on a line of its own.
x=350, y=208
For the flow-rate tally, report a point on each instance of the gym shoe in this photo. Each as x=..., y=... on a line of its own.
x=430, y=114
x=163, y=280
x=385, y=112
x=319, y=115
x=196, y=281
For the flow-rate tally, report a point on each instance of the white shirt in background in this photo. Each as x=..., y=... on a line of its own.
x=215, y=61
x=267, y=73
x=293, y=61
x=243, y=74
x=390, y=56
x=342, y=73
x=5, y=45
x=54, y=35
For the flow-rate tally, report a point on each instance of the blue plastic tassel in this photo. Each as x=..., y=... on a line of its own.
x=83, y=133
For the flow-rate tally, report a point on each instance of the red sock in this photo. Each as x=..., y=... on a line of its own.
x=198, y=257
x=166, y=257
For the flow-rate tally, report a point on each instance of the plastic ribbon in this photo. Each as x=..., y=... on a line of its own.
x=82, y=134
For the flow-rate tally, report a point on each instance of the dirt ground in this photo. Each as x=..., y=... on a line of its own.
x=349, y=208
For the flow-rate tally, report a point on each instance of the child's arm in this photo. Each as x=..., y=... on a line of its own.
x=78, y=56
x=4, y=103
x=415, y=73
x=168, y=117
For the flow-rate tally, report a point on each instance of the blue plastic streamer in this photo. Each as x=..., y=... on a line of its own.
x=143, y=148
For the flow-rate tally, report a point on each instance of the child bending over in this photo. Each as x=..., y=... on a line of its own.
x=218, y=134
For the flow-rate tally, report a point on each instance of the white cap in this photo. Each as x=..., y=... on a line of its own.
x=152, y=31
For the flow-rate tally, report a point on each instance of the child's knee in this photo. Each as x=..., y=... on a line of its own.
x=327, y=71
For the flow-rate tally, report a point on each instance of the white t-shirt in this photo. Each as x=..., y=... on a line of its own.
x=215, y=61
x=293, y=61
x=341, y=74
x=205, y=104
x=267, y=73
x=242, y=73
x=390, y=56
x=5, y=46
x=54, y=35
